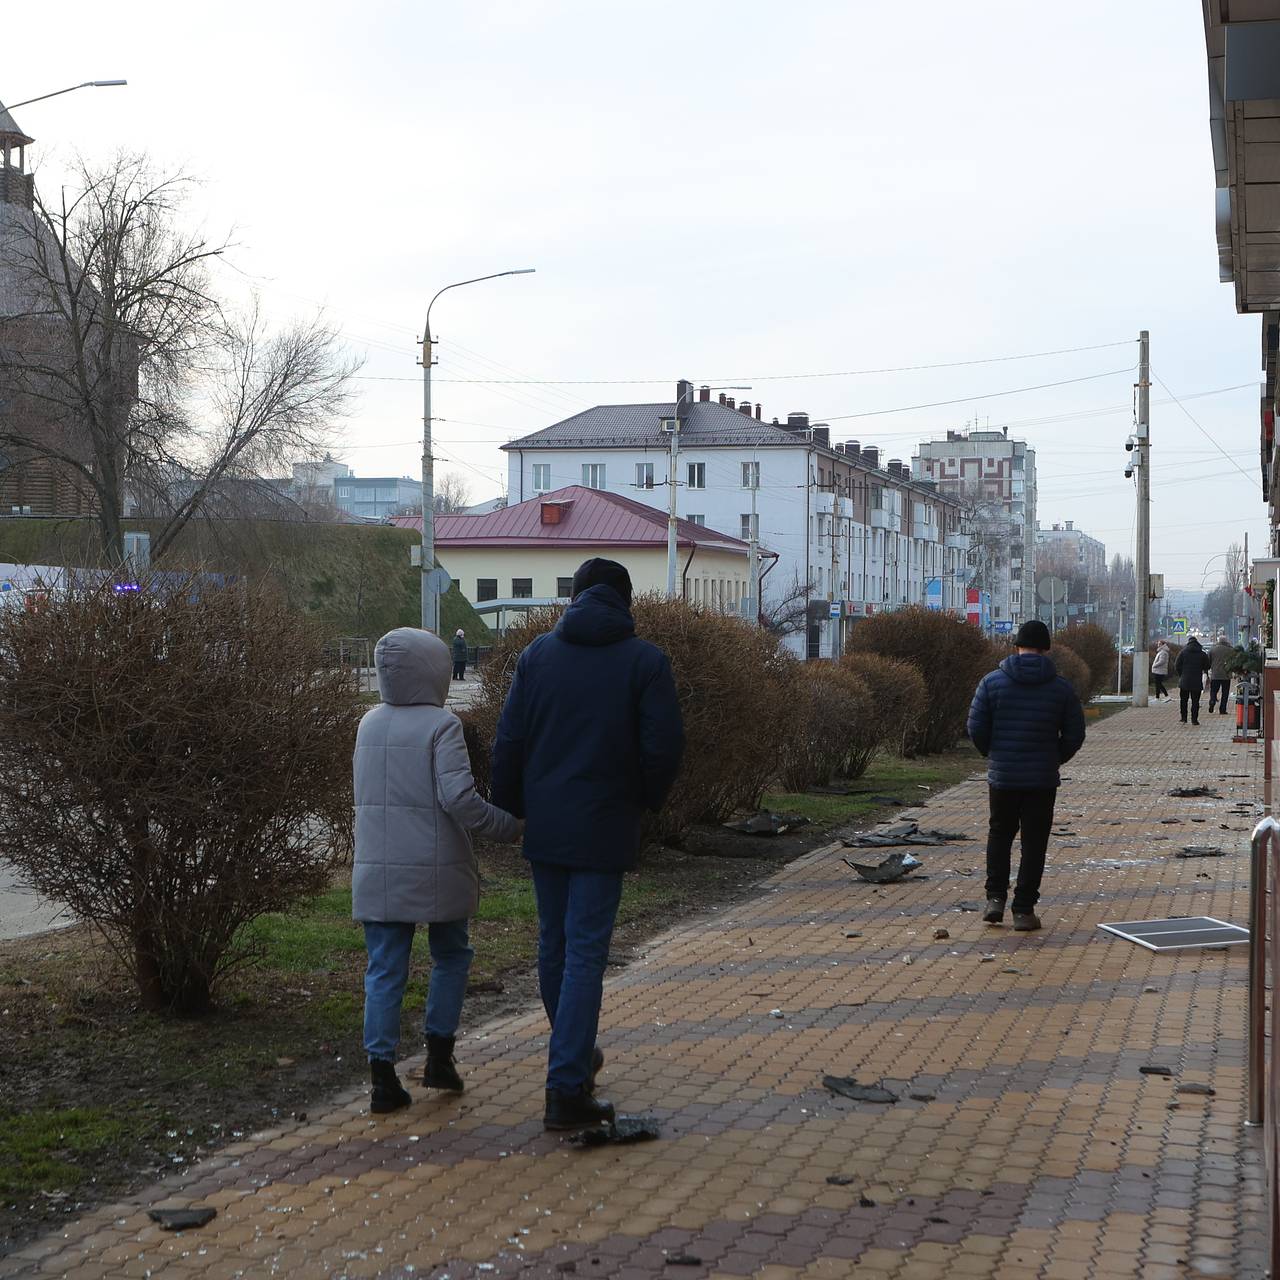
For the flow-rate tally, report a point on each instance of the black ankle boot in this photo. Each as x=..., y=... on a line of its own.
x=597, y=1061
x=441, y=1072
x=575, y=1110
x=387, y=1094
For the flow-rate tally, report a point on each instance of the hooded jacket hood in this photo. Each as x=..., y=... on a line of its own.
x=1029, y=668
x=596, y=617
x=414, y=667
x=1194, y=643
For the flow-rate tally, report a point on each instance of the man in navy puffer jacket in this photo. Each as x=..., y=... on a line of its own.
x=590, y=738
x=1027, y=720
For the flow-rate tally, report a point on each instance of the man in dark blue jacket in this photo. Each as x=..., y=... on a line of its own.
x=590, y=737
x=1027, y=720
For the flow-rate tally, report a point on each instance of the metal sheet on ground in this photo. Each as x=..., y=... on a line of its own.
x=1179, y=933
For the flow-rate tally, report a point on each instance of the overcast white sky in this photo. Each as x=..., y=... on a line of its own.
x=724, y=191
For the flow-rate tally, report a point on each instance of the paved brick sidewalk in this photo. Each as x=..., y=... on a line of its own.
x=1035, y=1148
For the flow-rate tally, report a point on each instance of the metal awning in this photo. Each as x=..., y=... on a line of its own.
x=1179, y=933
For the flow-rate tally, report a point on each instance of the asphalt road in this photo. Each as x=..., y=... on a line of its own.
x=22, y=911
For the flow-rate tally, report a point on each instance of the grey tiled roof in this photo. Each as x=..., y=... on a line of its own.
x=9, y=128
x=640, y=425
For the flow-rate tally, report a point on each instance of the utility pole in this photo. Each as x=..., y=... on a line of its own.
x=1120, y=653
x=834, y=621
x=1142, y=478
x=754, y=542
x=1245, y=611
x=673, y=487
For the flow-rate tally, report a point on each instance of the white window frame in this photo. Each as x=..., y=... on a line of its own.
x=750, y=475
x=644, y=475
x=695, y=475
x=749, y=525
x=592, y=472
x=541, y=477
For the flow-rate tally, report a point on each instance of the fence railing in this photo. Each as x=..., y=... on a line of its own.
x=1263, y=1067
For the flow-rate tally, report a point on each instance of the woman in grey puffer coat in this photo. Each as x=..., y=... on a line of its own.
x=416, y=807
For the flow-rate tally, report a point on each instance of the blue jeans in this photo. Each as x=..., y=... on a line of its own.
x=390, y=948
x=576, y=914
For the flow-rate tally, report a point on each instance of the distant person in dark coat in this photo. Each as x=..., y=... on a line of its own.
x=459, y=648
x=589, y=739
x=1192, y=665
x=1220, y=672
x=1026, y=719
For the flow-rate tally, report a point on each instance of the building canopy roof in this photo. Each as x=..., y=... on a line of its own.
x=9, y=131
x=584, y=518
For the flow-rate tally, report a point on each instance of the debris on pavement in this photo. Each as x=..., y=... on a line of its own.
x=889, y=870
x=768, y=823
x=841, y=1179
x=199, y=1215
x=1204, y=1090
x=939, y=934
x=1200, y=851
x=486, y=986
x=1187, y=793
x=866, y=1202
x=1152, y=1070
x=921, y=1096
x=683, y=1260
x=968, y=906
x=619, y=1132
x=898, y=833
x=848, y=1087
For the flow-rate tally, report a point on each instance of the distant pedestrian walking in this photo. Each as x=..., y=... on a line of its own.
x=1191, y=666
x=1220, y=673
x=1160, y=669
x=459, y=654
x=590, y=737
x=416, y=807
x=1026, y=719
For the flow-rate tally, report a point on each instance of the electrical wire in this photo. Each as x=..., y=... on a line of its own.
x=1252, y=479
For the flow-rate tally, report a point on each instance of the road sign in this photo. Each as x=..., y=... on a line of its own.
x=1003, y=627
x=1178, y=627
x=439, y=581
x=837, y=608
x=1051, y=589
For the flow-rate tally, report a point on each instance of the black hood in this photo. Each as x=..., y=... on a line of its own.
x=1029, y=668
x=596, y=617
x=1193, y=643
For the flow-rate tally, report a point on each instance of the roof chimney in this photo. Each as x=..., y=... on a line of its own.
x=853, y=448
x=871, y=456
x=729, y=402
x=704, y=394
x=757, y=410
x=822, y=435
x=722, y=397
x=797, y=423
x=839, y=446
x=745, y=407
x=895, y=466
x=1070, y=525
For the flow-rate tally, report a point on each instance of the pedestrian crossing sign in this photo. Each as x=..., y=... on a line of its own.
x=1178, y=626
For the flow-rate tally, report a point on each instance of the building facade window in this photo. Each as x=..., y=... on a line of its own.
x=750, y=525
x=486, y=589
x=750, y=475
x=564, y=588
x=522, y=588
x=542, y=477
x=698, y=519
x=644, y=475
x=593, y=475
x=696, y=475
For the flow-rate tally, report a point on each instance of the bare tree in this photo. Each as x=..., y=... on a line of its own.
x=990, y=532
x=127, y=371
x=452, y=494
x=788, y=613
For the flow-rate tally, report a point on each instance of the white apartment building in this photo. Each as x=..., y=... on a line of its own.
x=1068, y=545
x=851, y=538
x=994, y=480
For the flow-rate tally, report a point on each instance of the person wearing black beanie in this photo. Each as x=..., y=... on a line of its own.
x=1026, y=719
x=598, y=572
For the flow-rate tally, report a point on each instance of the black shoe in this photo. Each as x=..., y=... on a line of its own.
x=1026, y=921
x=597, y=1061
x=575, y=1110
x=441, y=1072
x=995, y=911
x=1195, y=722
x=1184, y=719
x=387, y=1094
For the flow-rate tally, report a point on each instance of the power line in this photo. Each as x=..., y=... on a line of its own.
x=1203, y=432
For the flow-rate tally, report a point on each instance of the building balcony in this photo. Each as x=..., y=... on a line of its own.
x=958, y=541
x=882, y=518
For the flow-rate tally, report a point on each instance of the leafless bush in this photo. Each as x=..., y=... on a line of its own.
x=834, y=732
x=1073, y=668
x=897, y=691
x=176, y=762
x=1096, y=647
x=951, y=655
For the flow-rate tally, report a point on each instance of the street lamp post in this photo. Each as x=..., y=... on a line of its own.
x=430, y=592
x=86, y=84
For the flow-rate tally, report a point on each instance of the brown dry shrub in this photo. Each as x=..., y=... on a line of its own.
x=831, y=735
x=1096, y=647
x=951, y=655
x=175, y=763
x=736, y=688
x=898, y=695
x=1073, y=668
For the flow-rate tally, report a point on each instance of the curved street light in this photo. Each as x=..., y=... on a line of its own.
x=430, y=584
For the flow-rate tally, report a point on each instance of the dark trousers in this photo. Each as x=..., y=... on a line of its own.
x=576, y=914
x=1192, y=695
x=1161, y=691
x=460, y=670
x=1030, y=811
x=1218, y=693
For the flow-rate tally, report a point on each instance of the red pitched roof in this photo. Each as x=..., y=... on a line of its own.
x=589, y=518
